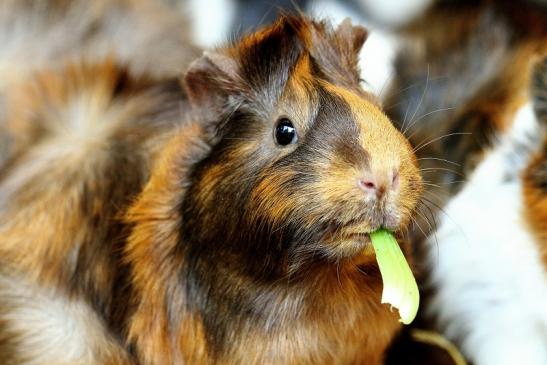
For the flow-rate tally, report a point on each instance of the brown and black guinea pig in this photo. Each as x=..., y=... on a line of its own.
x=245, y=232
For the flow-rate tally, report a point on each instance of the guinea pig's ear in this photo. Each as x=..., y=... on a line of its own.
x=351, y=37
x=210, y=81
x=337, y=51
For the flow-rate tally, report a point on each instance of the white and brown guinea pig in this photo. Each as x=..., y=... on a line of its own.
x=147, y=37
x=488, y=257
x=217, y=218
x=463, y=96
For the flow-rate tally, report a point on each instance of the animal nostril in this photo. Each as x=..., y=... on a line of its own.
x=367, y=185
x=380, y=183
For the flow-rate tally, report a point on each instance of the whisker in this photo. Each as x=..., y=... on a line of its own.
x=404, y=118
x=433, y=185
x=432, y=215
x=445, y=183
x=386, y=82
x=459, y=227
x=421, y=145
x=433, y=169
x=439, y=159
x=437, y=168
x=425, y=219
x=434, y=195
x=418, y=225
x=434, y=230
x=412, y=123
x=453, y=182
x=414, y=84
x=421, y=99
x=426, y=200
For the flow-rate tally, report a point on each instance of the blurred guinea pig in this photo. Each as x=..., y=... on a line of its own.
x=221, y=219
x=463, y=94
x=488, y=257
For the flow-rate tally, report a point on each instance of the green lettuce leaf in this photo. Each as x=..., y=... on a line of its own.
x=400, y=288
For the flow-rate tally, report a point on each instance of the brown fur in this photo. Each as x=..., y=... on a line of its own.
x=148, y=38
x=535, y=176
x=80, y=158
x=171, y=218
x=535, y=197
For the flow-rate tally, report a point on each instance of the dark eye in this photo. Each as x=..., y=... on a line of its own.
x=285, y=133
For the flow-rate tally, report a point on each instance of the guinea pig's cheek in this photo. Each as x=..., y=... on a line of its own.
x=339, y=198
x=272, y=198
x=208, y=183
x=339, y=180
x=412, y=186
x=404, y=206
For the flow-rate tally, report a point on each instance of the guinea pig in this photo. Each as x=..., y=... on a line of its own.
x=462, y=95
x=220, y=220
x=488, y=255
x=148, y=38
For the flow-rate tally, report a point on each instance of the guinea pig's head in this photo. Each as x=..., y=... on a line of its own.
x=303, y=163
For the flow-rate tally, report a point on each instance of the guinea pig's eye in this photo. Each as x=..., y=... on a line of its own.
x=285, y=133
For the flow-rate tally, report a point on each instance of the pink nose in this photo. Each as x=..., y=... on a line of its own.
x=377, y=184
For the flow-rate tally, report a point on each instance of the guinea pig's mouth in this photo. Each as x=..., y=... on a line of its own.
x=349, y=244
x=360, y=241
x=363, y=238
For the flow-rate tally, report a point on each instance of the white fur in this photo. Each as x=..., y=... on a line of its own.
x=394, y=12
x=45, y=327
x=211, y=21
x=491, y=287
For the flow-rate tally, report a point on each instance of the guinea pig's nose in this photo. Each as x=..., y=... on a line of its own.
x=378, y=183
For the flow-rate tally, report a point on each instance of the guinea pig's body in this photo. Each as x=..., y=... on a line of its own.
x=480, y=141
x=488, y=255
x=148, y=38
x=218, y=219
